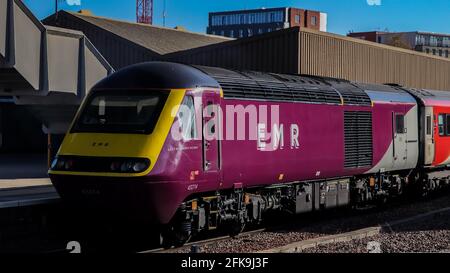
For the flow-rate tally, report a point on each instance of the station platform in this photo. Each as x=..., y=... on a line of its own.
x=24, y=181
x=26, y=192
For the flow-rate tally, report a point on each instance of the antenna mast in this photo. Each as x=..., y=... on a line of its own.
x=144, y=11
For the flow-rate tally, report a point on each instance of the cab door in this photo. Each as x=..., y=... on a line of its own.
x=210, y=136
x=429, y=136
x=400, y=140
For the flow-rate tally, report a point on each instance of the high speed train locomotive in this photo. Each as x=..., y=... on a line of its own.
x=191, y=148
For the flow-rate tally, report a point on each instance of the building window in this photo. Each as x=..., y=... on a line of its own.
x=379, y=39
x=440, y=52
x=213, y=32
x=222, y=33
x=242, y=19
x=269, y=29
x=260, y=31
x=250, y=32
x=446, y=54
x=314, y=21
x=446, y=42
x=434, y=51
x=241, y=33
x=427, y=51
x=433, y=41
x=297, y=19
x=232, y=33
x=420, y=40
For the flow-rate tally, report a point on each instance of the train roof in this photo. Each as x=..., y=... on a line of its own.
x=263, y=85
x=285, y=87
x=431, y=97
x=157, y=75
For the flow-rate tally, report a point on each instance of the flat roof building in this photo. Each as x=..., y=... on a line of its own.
x=428, y=42
x=246, y=23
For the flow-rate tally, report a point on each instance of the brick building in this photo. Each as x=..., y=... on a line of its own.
x=246, y=23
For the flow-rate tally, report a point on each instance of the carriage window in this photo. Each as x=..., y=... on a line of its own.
x=447, y=125
x=441, y=124
x=400, y=124
x=429, y=125
x=186, y=118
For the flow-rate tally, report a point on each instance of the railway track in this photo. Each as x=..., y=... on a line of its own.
x=316, y=228
x=277, y=231
x=191, y=246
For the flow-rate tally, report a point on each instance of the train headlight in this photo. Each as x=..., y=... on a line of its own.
x=131, y=166
x=54, y=163
x=58, y=164
x=115, y=166
x=140, y=166
x=127, y=166
x=68, y=165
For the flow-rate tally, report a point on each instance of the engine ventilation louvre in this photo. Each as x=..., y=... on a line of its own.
x=358, y=139
x=272, y=87
x=277, y=91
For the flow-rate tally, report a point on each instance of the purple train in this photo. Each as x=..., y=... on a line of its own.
x=196, y=148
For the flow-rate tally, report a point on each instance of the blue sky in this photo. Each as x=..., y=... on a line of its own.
x=343, y=15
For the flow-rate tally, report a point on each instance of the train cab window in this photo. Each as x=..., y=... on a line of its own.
x=186, y=118
x=441, y=124
x=400, y=124
x=120, y=111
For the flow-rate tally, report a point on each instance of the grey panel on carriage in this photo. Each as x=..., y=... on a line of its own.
x=430, y=94
x=380, y=87
x=272, y=87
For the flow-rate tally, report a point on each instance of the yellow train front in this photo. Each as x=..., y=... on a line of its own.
x=131, y=150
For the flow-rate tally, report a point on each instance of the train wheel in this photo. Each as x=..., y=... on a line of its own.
x=235, y=228
x=174, y=237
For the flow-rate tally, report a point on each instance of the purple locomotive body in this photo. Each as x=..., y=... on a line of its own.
x=252, y=142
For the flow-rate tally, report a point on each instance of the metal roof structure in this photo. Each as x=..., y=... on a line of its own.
x=157, y=39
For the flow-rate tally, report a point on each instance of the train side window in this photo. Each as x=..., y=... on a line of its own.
x=429, y=126
x=400, y=124
x=441, y=124
x=186, y=117
x=447, y=125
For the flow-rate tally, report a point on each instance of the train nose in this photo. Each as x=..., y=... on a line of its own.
x=135, y=199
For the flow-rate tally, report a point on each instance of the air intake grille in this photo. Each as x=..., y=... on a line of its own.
x=272, y=87
x=358, y=139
